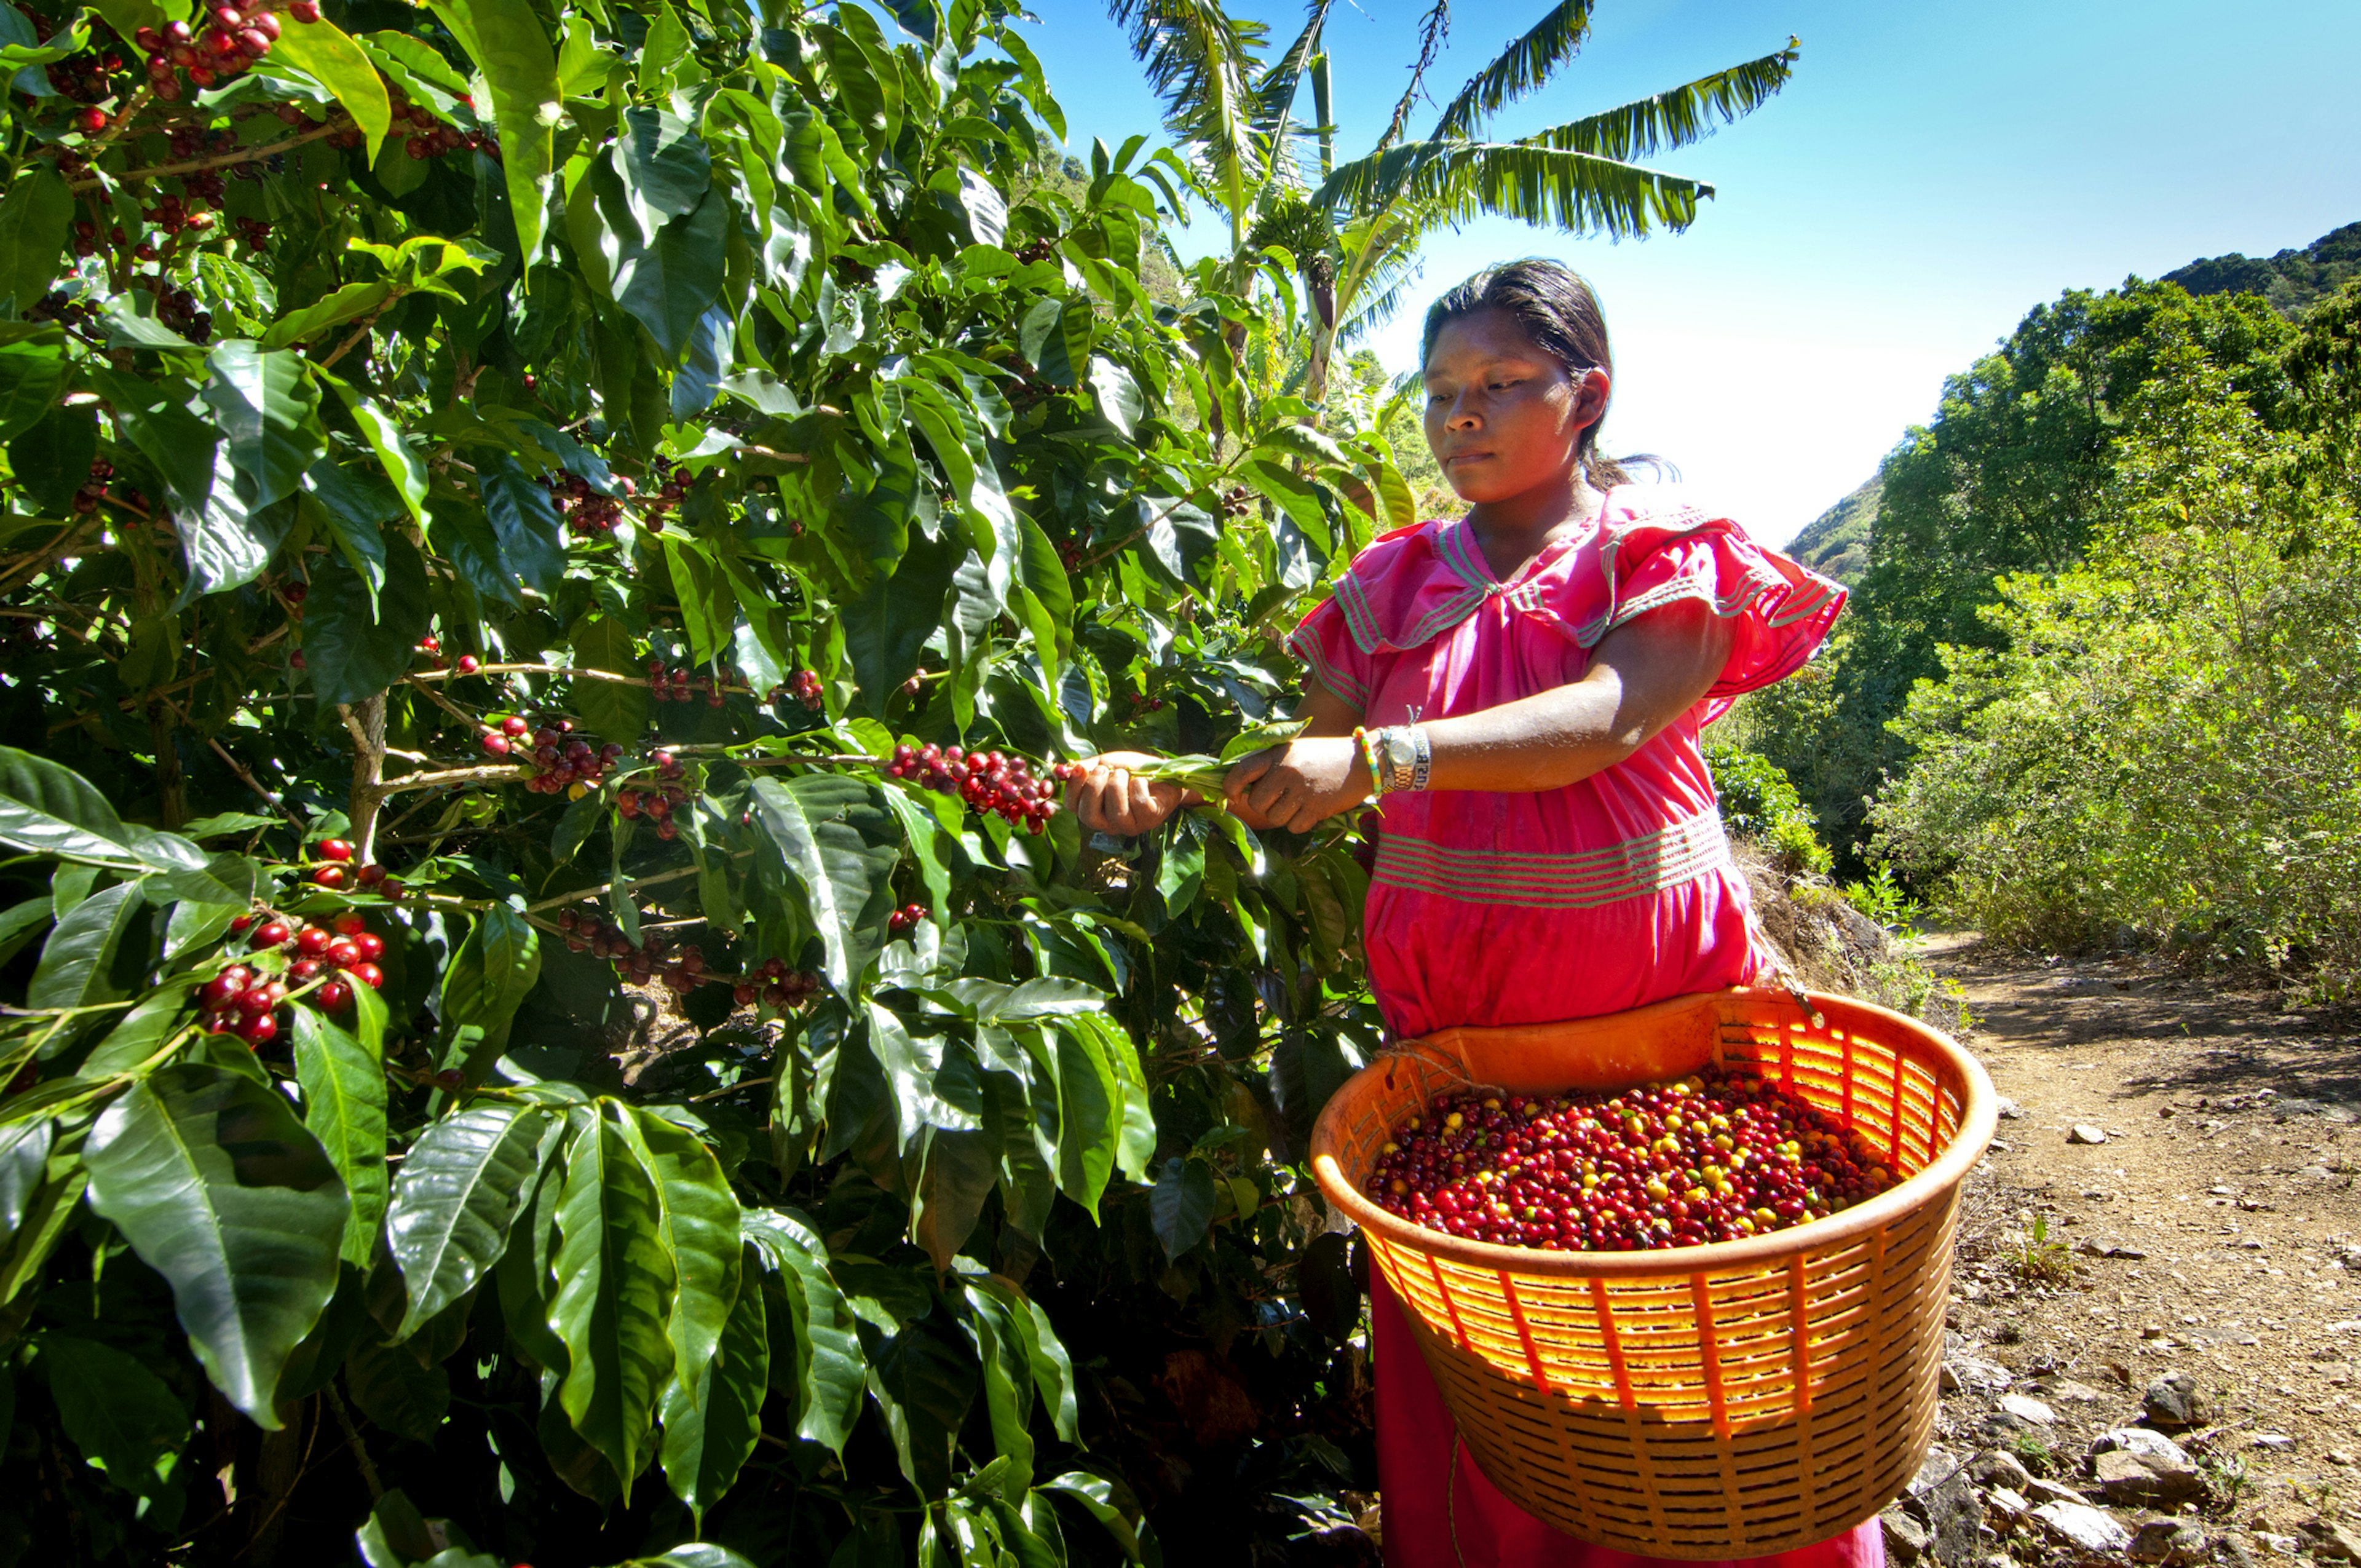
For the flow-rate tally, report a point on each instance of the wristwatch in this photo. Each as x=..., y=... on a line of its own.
x=1404, y=749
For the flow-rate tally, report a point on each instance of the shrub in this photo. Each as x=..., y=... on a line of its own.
x=2168, y=739
x=1758, y=802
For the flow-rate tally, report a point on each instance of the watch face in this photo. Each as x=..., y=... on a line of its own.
x=1401, y=751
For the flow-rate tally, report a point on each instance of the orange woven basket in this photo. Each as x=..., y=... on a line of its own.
x=1703, y=1402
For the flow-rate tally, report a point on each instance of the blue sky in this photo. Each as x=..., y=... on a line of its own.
x=1932, y=172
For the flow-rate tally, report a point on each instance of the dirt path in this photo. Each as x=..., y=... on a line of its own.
x=2215, y=1232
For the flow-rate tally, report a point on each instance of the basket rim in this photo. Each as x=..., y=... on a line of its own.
x=1980, y=1117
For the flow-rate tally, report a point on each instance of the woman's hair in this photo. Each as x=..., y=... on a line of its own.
x=1560, y=314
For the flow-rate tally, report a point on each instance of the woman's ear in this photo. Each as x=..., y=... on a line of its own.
x=1591, y=389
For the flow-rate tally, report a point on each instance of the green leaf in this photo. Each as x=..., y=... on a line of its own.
x=1577, y=192
x=347, y=304
x=665, y=167
x=936, y=1080
x=707, y=606
x=24, y=1161
x=957, y=1173
x=461, y=1188
x=1003, y=1332
x=1111, y=1507
x=923, y=1377
x=49, y=809
x=826, y=1373
x=698, y=1222
x=344, y=1107
x=77, y=967
x=614, y=1286
x=355, y=650
x=51, y=460
x=356, y=507
x=265, y=402
x=489, y=978
x=398, y=1392
x=220, y=1190
x=1089, y=1114
x=1183, y=1204
x=117, y=1412
x=618, y=712
x=807, y=822
x=1120, y=400
x=510, y=44
x=886, y=628
x=401, y=465
x=669, y=282
x=525, y=521
x=34, y=221
x=32, y=371
x=325, y=53
x=710, y=1428
x=927, y=840
x=1042, y=339
x=177, y=442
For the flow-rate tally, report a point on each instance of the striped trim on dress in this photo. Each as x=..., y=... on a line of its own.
x=1637, y=868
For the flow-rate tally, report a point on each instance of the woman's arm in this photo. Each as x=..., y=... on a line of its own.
x=1111, y=799
x=1641, y=677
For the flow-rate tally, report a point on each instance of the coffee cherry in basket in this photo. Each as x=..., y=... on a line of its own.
x=1712, y=1157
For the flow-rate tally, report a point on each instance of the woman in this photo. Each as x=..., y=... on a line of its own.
x=1522, y=689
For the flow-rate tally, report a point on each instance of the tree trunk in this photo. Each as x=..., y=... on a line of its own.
x=366, y=723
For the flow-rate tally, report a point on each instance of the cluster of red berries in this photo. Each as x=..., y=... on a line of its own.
x=564, y=764
x=336, y=870
x=1237, y=501
x=430, y=137
x=228, y=44
x=1706, y=1159
x=1070, y=554
x=987, y=781
x=674, y=683
x=587, y=513
x=772, y=981
x=57, y=306
x=85, y=78
x=176, y=307
x=657, y=805
x=244, y=1000
x=683, y=972
x=87, y=498
x=253, y=233
x=669, y=494
x=907, y=918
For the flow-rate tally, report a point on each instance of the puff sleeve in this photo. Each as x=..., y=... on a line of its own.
x=1783, y=610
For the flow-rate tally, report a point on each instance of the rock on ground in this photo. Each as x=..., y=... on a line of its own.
x=2175, y=1543
x=2174, y=1403
x=2083, y=1527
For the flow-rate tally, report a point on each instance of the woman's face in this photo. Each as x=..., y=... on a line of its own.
x=1502, y=417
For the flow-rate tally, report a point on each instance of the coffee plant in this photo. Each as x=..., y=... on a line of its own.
x=548, y=1009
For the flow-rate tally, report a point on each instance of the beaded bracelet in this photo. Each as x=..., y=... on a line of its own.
x=1368, y=744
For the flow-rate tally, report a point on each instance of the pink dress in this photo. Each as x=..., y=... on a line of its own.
x=1493, y=908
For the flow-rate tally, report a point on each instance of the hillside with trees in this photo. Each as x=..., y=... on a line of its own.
x=2095, y=683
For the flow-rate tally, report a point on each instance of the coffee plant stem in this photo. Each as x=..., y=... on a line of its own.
x=496, y=773
x=630, y=883
x=199, y=165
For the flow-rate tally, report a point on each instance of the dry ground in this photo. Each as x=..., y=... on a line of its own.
x=2224, y=1193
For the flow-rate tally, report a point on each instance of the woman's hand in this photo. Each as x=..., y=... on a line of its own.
x=1108, y=798
x=1299, y=786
